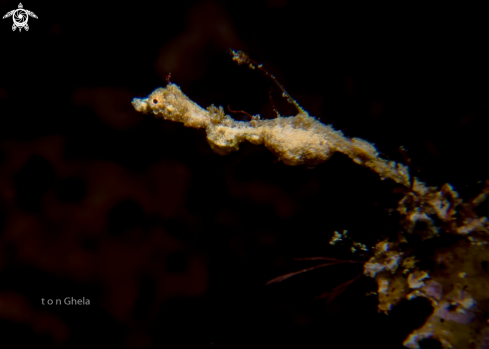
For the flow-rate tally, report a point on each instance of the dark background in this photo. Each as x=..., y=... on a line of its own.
x=171, y=243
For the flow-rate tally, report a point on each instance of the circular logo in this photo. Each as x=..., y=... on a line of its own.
x=20, y=17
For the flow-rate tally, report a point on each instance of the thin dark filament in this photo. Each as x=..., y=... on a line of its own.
x=242, y=58
x=333, y=261
x=242, y=112
x=273, y=105
x=335, y=292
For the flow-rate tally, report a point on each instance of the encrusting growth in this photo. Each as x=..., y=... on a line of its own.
x=458, y=291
